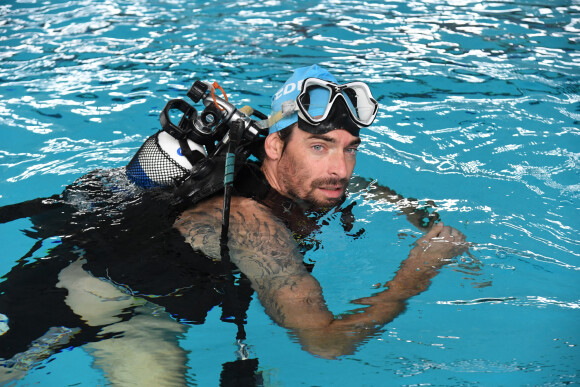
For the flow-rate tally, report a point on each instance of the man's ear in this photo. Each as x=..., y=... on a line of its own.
x=273, y=146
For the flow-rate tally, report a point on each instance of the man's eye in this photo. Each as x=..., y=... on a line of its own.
x=352, y=150
x=317, y=147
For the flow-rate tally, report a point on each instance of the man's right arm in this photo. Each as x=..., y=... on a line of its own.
x=264, y=250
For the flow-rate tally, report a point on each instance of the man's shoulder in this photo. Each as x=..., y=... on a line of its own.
x=201, y=225
x=212, y=208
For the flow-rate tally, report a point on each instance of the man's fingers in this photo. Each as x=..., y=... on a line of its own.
x=435, y=230
x=449, y=233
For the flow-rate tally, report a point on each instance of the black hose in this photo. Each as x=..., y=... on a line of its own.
x=236, y=130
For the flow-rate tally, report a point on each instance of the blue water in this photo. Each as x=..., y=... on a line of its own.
x=480, y=112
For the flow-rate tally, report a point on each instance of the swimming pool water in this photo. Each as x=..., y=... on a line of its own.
x=480, y=112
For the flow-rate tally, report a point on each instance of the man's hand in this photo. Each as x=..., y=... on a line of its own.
x=439, y=245
x=431, y=252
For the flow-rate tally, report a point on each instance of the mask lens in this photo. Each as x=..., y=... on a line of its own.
x=360, y=102
x=315, y=100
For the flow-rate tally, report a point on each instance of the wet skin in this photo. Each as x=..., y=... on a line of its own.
x=312, y=168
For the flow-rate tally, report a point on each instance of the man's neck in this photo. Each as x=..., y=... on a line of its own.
x=269, y=172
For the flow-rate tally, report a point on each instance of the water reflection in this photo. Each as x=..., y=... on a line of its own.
x=478, y=102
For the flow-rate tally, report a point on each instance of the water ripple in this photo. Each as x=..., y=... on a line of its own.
x=478, y=114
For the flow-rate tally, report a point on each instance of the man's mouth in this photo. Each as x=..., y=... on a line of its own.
x=334, y=191
x=331, y=188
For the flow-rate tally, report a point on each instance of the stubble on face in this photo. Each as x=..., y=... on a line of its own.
x=295, y=180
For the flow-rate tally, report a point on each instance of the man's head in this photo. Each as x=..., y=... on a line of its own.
x=314, y=135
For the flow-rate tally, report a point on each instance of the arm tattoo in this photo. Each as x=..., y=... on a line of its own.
x=201, y=230
x=260, y=245
x=256, y=237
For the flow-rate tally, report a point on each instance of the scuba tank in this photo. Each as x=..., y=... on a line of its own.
x=160, y=161
x=192, y=155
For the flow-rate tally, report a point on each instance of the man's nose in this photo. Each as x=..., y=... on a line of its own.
x=337, y=165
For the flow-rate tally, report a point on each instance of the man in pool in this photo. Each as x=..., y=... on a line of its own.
x=310, y=155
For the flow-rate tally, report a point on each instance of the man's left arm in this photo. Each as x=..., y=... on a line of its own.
x=423, y=217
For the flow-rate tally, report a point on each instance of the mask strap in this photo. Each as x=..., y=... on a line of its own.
x=287, y=109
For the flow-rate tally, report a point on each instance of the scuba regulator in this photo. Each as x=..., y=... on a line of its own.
x=199, y=154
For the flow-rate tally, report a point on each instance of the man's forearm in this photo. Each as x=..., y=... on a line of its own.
x=342, y=334
x=422, y=217
x=299, y=306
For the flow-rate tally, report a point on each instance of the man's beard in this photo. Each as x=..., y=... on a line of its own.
x=289, y=166
x=311, y=198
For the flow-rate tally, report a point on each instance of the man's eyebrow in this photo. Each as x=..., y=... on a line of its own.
x=326, y=138
x=356, y=141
